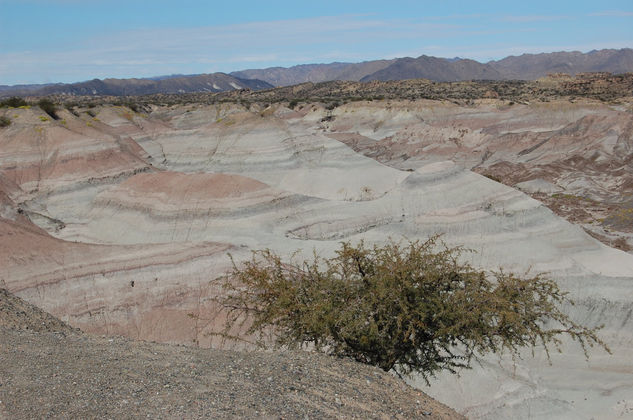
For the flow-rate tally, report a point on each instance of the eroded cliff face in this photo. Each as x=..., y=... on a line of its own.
x=117, y=222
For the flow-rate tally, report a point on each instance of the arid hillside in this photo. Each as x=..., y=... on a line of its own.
x=117, y=221
x=49, y=370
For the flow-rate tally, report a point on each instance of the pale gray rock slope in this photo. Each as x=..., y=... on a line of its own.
x=135, y=251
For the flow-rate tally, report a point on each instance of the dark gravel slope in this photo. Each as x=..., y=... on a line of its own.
x=60, y=373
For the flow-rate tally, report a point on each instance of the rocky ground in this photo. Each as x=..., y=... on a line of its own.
x=50, y=370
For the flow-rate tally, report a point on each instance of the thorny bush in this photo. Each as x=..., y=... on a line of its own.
x=412, y=307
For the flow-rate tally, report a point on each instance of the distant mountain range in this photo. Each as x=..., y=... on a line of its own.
x=533, y=66
x=215, y=82
x=523, y=67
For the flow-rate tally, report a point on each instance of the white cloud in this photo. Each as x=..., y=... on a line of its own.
x=147, y=52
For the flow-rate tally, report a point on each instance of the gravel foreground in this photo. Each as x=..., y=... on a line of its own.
x=50, y=370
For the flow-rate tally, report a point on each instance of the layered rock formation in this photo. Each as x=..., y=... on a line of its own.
x=574, y=157
x=135, y=216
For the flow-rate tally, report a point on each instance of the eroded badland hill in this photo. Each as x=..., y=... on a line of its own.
x=115, y=220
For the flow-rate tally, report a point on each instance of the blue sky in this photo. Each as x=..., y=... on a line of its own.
x=73, y=40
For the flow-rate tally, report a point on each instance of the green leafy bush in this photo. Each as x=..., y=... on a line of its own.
x=411, y=308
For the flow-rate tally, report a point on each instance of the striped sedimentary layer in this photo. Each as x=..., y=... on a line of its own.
x=135, y=240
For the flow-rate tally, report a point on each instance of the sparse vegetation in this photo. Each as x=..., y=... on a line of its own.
x=620, y=218
x=4, y=121
x=70, y=106
x=133, y=106
x=460, y=93
x=621, y=243
x=410, y=308
x=13, y=102
x=493, y=177
x=246, y=104
x=129, y=103
x=333, y=105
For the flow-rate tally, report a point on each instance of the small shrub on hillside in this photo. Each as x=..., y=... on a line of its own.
x=493, y=177
x=333, y=105
x=70, y=106
x=411, y=308
x=5, y=121
x=622, y=244
x=134, y=106
x=246, y=104
x=49, y=107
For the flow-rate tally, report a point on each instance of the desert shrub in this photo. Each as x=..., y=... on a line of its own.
x=134, y=106
x=49, y=107
x=619, y=243
x=13, y=102
x=70, y=106
x=411, y=308
x=5, y=121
